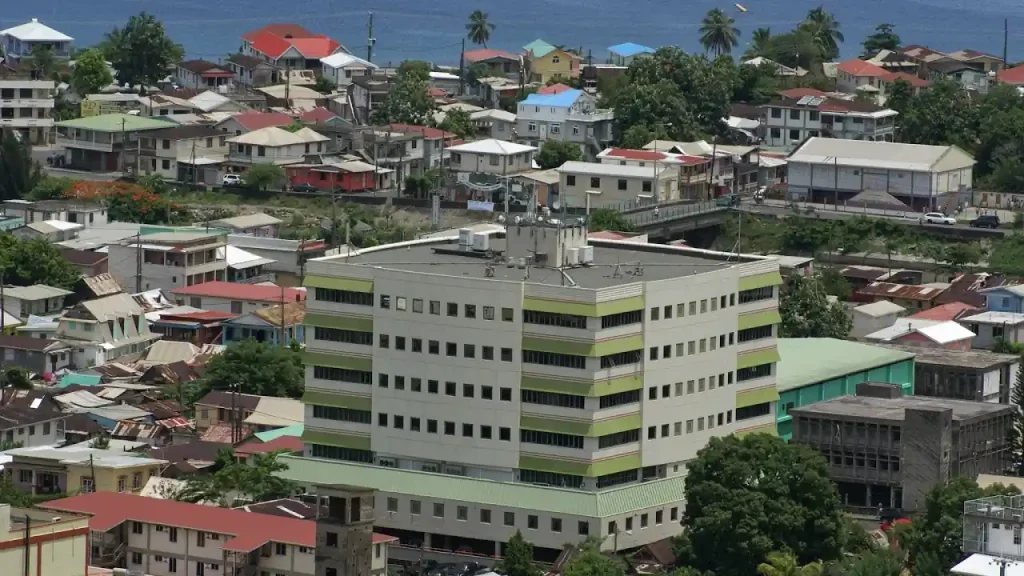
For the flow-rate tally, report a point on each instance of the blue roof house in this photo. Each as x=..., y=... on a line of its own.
x=623, y=54
x=569, y=116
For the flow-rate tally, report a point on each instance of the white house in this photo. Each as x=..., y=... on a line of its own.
x=273, y=145
x=341, y=67
x=492, y=157
x=870, y=318
x=617, y=184
x=104, y=329
x=569, y=116
x=26, y=105
x=789, y=121
x=18, y=42
x=919, y=175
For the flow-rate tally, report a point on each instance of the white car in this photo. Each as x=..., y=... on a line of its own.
x=232, y=180
x=937, y=218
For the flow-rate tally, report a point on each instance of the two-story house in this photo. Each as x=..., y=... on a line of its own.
x=104, y=329
x=105, y=143
x=31, y=420
x=789, y=121
x=569, y=116
x=435, y=143
x=17, y=43
x=694, y=171
x=268, y=325
x=235, y=298
x=274, y=145
x=340, y=68
x=624, y=54
x=170, y=260
x=26, y=105
x=967, y=76
x=492, y=157
x=615, y=184
x=856, y=75
x=37, y=300
x=77, y=468
x=499, y=63
x=258, y=224
x=1003, y=318
x=37, y=355
x=218, y=406
x=548, y=62
x=366, y=94
x=173, y=153
x=200, y=74
x=289, y=46
x=252, y=71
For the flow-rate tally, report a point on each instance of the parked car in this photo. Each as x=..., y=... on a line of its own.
x=232, y=180
x=937, y=218
x=56, y=159
x=986, y=221
x=304, y=187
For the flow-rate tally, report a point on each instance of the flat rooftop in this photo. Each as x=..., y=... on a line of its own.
x=872, y=408
x=807, y=361
x=974, y=359
x=615, y=264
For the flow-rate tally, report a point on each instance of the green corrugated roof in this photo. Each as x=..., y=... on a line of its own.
x=80, y=379
x=539, y=48
x=293, y=430
x=807, y=361
x=613, y=502
x=112, y=123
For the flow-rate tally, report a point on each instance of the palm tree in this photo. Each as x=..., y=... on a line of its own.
x=718, y=33
x=825, y=29
x=760, y=44
x=42, y=61
x=780, y=564
x=479, y=29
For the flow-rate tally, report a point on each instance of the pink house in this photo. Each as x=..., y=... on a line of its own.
x=946, y=335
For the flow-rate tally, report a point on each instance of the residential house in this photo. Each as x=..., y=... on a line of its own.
x=38, y=300
x=977, y=375
x=169, y=260
x=291, y=96
x=209, y=101
x=1012, y=76
x=61, y=552
x=108, y=142
x=967, y=76
x=624, y=54
x=923, y=177
x=251, y=121
x=366, y=94
x=541, y=185
x=267, y=325
x=89, y=264
x=548, y=62
x=498, y=124
x=499, y=63
x=402, y=152
x=435, y=144
x=33, y=420
x=1003, y=318
x=346, y=176
x=198, y=328
x=246, y=267
x=594, y=73
x=855, y=75
x=492, y=157
x=18, y=42
x=790, y=121
x=446, y=81
x=252, y=71
x=45, y=470
x=916, y=83
x=273, y=413
x=288, y=257
x=910, y=331
x=274, y=146
x=570, y=116
x=190, y=153
x=88, y=214
x=165, y=105
x=979, y=60
x=202, y=74
x=914, y=298
x=218, y=406
x=235, y=298
x=694, y=171
x=617, y=185
x=26, y=105
x=870, y=318
x=258, y=224
x=104, y=329
x=286, y=445
x=289, y=46
x=340, y=68
x=780, y=69
x=37, y=355
x=49, y=230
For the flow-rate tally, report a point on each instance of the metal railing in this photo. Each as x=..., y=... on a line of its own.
x=667, y=213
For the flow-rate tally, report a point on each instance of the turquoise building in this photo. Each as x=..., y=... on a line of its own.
x=816, y=369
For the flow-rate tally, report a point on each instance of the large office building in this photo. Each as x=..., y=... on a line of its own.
x=531, y=380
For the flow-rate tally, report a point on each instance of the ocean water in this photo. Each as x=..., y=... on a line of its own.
x=433, y=30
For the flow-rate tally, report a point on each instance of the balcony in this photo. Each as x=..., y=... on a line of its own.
x=595, y=116
x=84, y=140
x=26, y=102
x=27, y=122
x=258, y=279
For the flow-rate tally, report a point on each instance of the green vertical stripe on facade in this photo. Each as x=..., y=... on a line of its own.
x=337, y=399
x=588, y=428
x=760, y=281
x=595, y=310
x=756, y=319
x=356, y=323
x=592, y=389
x=337, y=360
x=338, y=439
x=582, y=348
x=587, y=469
x=757, y=357
x=756, y=396
x=332, y=283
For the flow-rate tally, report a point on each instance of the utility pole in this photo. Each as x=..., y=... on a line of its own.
x=288, y=86
x=370, y=40
x=462, y=69
x=234, y=417
x=138, y=263
x=284, y=331
x=1006, y=38
x=3, y=373
x=124, y=147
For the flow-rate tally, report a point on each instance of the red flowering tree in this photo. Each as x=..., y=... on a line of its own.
x=127, y=202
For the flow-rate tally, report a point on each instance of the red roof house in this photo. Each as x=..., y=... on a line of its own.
x=252, y=121
x=859, y=68
x=289, y=444
x=246, y=292
x=290, y=42
x=1014, y=76
x=485, y=54
x=554, y=89
x=801, y=92
x=282, y=30
x=318, y=114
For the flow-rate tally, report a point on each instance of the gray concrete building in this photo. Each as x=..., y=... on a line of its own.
x=976, y=375
x=888, y=450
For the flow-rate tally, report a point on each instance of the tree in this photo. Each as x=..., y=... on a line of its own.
x=91, y=73
x=479, y=28
x=782, y=564
x=264, y=177
x=940, y=115
x=747, y=497
x=19, y=173
x=756, y=85
x=607, y=219
x=518, y=559
x=36, y=261
x=883, y=562
x=42, y=62
x=127, y=202
x=1017, y=432
x=258, y=480
x=324, y=86
x=658, y=108
x=718, y=32
x=141, y=52
x=408, y=101
x=824, y=27
x=639, y=135
x=797, y=48
x=458, y=122
x=17, y=378
x=807, y=313
x=760, y=44
x=100, y=442
x=884, y=38
x=899, y=96
x=257, y=368
x=589, y=561
x=49, y=188
x=554, y=153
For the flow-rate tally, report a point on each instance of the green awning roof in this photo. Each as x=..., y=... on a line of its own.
x=293, y=430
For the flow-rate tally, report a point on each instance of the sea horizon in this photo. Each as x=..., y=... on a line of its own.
x=405, y=29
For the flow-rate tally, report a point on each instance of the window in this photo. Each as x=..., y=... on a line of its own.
x=382, y=380
x=583, y=528
x=760, y=371
x=399, y=382
x=172, y=534
x=673, y=514
x=449, y=428
x=505, y=434
x=467, y=430
x=506, y=315
x=569, y=180
x=338, y=335
x=462, y=513
x=435, y=307
x=487, y=353
x=432, y=426
x=552, y=399
x=643, y=521
x=398, y=422
x=417, y=305
x=280, y=549
x=556, y=524
x=485, y=432
x=382, y=419
x=753, y=411
x=629, y=523
x=532, y=522
x=487, y=392
x=622, y=184
x=655, y=313
x=469, y=311
x=485, y=516
x=654, y=352
x=399, y=342
x=392, y=504
x=595, y=183
x=646, y=186
x=433, y=347
x=172, y=564
x=630, y=397
x=453, y=309
x=122, y=483
x=432, y=386
x=385, y=301
x=438, y=510
x=776, y=112
x=652, y=432
x=414, y=507
x=417, y=345
x=468, y=391
x=87, y=485
x=400, y=303
x=506, y=355
x=488, y=312
x=385, y=341
x=136, y=558
x=328, y=295
x=551, y=439
x=136, y=527
x=553, y=319
x=509, y=519
x=449, y=388
x=451, y=349
x=414, y=424
x=619, y=438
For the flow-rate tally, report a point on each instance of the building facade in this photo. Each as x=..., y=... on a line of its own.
x=170, y=260
x=569, y=116
x=37, y=542
x=26, y=106
x=790, y=121
x=573, y=378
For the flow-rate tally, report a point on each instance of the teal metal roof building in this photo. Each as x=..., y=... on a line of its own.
x=816, y=369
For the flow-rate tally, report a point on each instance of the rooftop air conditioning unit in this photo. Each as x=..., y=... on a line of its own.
x=481, y=242
x=465, y=236
x=586, y=254
x=572, y=257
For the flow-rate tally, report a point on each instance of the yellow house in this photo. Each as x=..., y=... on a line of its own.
x=111, y=473
x=548, y=62
x=60, y=543
x=79, y=469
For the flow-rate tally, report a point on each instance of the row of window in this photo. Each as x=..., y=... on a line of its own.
x=621, y=184
x=486, y=516
x=451, y=349
x=401, y=304
x=342, y=375
x=754, y=372
x=692, y=347
x=342, y=414
x=757, y=294
x=695, y=385
x=580, y=322
x=862, y=459
x=758, y=333
x=659, y=516
x=676, y=428
x=414, y=424
x=706, y=305
x=450, y=388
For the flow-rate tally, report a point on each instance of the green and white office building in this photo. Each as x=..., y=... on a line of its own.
x=532, y=380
